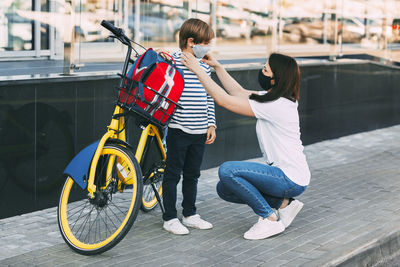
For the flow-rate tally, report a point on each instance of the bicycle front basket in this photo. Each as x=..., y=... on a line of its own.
x=153, y=88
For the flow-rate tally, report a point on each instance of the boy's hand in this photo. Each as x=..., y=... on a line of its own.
x=211, y=135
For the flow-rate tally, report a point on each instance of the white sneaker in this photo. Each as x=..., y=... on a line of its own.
x=176, y=227
x=196, y=222
x=288, y=213
x=264, y=228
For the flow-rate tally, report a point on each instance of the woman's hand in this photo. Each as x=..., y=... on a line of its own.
x=210, y=60
x=211, y=135
x=191, y=62
x=164, y=53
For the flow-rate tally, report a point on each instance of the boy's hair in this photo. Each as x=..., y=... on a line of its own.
x=196, y=29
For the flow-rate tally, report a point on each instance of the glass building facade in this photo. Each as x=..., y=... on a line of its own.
x=46, y=118
x=70, y=29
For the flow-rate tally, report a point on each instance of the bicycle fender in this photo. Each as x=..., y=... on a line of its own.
x=119, y=142
x=79, y=166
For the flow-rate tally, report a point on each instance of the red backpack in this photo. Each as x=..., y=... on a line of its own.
x=153, y=87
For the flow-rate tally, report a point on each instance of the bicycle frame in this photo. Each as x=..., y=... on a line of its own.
x=113, y=177
x=150, y=130
x=116, y=131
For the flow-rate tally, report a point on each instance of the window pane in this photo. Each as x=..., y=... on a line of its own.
x=89, y=15
x=15, y=29
x=310, y=26
x=242, y=22
x=387, y=26
x=44, y=28
x=201, y=10
x=159, y=22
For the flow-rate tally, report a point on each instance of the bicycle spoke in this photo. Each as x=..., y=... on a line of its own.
x=148, y=193
x=80, y=211
x=107, y=225
x=94, y=225
x=119, y=207
x=93, y=222
x=87, y=219
x=76, y=221
x=115, y=215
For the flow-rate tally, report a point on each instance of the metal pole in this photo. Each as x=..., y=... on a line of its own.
x=137, y=21
x=187, y=5
x=384, y=25
x=36, y=24
x=325, y=34
x=213, y=14
x=274, y=42
x=69, y=38
x=52, y=40
x=125, y=14
x=336, y=32
x=341, y=31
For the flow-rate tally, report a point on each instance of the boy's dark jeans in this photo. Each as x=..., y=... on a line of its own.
x=184, y=155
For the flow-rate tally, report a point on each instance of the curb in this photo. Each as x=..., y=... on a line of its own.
x=370, y=255
x=365, y=251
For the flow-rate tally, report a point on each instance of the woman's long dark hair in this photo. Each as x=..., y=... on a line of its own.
x=286, y=74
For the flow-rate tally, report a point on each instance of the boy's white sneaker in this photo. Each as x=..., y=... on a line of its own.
x=264, y=228
x=176, y=227
x=195, y=221
x=288, y=213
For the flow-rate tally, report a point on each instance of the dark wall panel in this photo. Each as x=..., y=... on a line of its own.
x=54, y=139
x=43, y=124
x=344, y=99
x=17, y=150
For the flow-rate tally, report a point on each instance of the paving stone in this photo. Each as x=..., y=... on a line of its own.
x=353, y=195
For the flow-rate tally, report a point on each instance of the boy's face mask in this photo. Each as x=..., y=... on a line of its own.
x=200, y=50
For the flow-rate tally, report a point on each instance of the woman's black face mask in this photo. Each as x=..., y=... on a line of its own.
x=264, y=81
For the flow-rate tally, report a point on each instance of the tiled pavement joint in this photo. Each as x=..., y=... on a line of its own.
x=350, y=218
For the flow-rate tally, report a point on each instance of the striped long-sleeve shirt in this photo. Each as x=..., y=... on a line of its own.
x=198, y=111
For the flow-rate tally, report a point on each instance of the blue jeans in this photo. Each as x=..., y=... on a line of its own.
x=184, y=156
x=258, y=185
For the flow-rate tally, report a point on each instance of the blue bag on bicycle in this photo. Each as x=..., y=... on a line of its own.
x=153, y=87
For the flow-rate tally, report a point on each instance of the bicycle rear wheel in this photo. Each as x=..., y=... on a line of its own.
x=149, y=199
x=92, y=226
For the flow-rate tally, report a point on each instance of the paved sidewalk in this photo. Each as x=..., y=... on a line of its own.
x=351, y=213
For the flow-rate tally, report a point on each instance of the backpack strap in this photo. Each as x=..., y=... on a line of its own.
x=141, y=91
x=140, y=60
x=171, y=58
x=140, y=83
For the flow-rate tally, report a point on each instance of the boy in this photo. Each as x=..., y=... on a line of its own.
x=188, y=132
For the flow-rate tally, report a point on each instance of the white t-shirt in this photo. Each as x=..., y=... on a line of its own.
x=278, y=132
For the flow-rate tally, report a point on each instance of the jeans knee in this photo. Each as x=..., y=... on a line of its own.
x=221, y=191
x=225, y=171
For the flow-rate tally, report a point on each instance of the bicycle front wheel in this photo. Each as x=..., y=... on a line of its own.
x=92, y=226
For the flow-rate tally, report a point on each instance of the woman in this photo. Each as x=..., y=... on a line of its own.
x=285, y=173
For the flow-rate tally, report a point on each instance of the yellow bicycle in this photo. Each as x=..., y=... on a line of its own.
x=107, y=183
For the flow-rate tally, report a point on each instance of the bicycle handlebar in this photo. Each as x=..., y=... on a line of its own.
x=120, y=35
x=118, y=32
